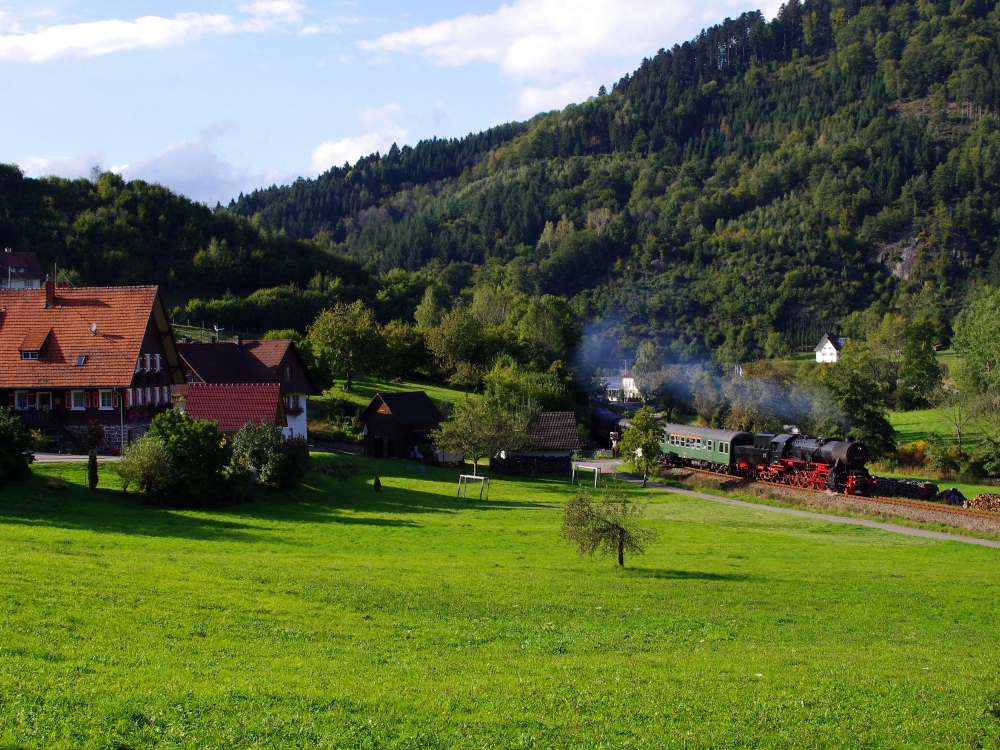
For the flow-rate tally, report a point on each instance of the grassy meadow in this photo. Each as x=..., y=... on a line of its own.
x=335, y=617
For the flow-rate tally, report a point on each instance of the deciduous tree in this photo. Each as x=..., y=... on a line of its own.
x=611, y=526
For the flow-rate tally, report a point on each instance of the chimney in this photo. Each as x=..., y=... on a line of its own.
x=238, y=340
x=50, y=291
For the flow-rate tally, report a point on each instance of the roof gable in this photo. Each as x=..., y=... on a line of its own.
x=837, y=342
x=255, y=361
x=21, y=266
x=406, y=408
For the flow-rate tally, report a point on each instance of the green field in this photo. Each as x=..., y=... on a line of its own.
x=338, y=617
x=364, y=389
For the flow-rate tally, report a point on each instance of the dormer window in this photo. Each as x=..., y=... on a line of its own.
x=29, y=355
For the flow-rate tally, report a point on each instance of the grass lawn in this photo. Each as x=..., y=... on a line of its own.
x=364, y=389
x=915, y=425
x=338, y=617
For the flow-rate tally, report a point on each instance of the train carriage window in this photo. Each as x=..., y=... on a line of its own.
x=708, y=445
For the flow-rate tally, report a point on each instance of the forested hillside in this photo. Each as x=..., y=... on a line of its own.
x=735, y=194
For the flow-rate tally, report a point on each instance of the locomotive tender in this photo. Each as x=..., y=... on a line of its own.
x=793, y=459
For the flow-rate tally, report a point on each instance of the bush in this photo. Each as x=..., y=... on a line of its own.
x=912, y=455
x=14, y=441
x=295, y=462
x=941, y=456
x=261, y=451
x=146, y=464
x=198, y=457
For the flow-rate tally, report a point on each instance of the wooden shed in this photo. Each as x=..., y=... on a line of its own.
x=396, y=423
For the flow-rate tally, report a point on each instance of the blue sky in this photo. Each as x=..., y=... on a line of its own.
x=211, y=98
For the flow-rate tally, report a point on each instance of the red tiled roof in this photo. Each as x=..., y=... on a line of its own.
x=14, y=262
x=555, y=431
x=233, y=405
x=63, y=331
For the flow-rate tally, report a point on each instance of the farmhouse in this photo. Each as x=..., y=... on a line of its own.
x=397, y=423
x=829, y=347
x=233, y=405
x=553, y=440
x=20, y=271
x=75, y=363
x=248, y=362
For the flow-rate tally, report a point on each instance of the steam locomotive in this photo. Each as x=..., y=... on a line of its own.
x=792, y=459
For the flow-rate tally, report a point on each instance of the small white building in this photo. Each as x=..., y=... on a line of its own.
x=829, y=347
x=621, y=388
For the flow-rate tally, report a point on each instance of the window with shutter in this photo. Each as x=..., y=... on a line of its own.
x=157, y=359
x=11, y=402
x=86, y=399
x=115, y=401
x=146, y=359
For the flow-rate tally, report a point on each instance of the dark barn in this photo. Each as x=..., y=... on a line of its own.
x=396, y=423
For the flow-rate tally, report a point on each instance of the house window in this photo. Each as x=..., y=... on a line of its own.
x=156, y=359
x=288, y=374
x=106, y=400
x=78, y=403
x=21, y=400
x=45, y=401
x=29, y=355
x=81, y=360
x=146, y=359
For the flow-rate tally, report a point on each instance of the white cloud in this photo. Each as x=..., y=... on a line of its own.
x=554, y=47
x=378, y=117
x=69, y=167
x=104, y=37
x=334, y=153
x=193, y=168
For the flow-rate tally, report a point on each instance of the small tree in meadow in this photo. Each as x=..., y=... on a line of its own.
x=92, y=478
x=611, y=526
x=641, y=442
x=263, y=452
x=198, y=456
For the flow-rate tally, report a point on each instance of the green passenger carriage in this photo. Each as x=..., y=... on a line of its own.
x=704, y=447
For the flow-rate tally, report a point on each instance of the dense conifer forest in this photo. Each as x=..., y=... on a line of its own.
x=733, y=196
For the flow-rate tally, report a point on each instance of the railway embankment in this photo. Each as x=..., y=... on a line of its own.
x=882, y=508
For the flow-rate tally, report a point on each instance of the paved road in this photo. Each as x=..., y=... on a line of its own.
x=609, y=466
x=60, y=458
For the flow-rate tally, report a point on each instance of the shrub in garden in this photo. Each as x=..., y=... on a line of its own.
x=263, y=452
x=14, y=440
x=198, y=457
x=146, y=464
x=295, y=462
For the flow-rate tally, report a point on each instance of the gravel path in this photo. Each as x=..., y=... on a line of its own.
x=609, y=466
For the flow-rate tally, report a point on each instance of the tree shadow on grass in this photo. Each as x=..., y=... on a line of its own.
x=113, y=511
x=684, y=575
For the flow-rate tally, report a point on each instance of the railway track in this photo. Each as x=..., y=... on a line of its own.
x=898, y=501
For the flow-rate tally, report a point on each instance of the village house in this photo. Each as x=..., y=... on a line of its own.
x=77, y=363
x=20, y=271
x=829, y=347
x=621, y=388
x=233, y=405
x=396, y=424
x=554, y=437
x=255, y=362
